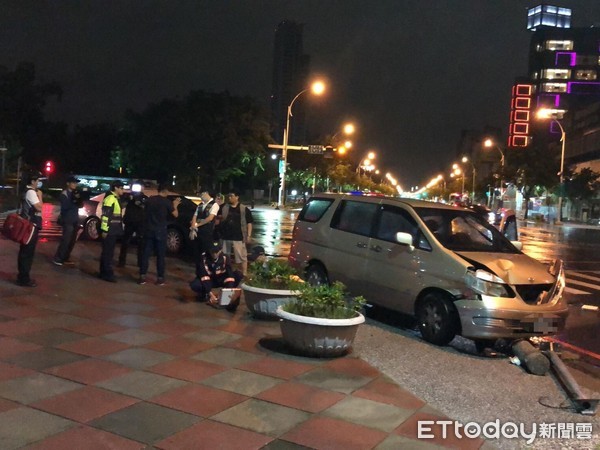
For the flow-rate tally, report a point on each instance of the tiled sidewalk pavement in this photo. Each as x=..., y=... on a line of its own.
x=94, y=365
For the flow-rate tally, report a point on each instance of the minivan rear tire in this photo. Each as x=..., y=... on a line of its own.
x=437, y=318
x=316, y=275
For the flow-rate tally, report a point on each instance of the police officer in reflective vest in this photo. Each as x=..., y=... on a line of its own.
x=111, y=226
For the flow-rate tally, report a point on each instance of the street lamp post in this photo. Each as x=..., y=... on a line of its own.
x=317, y=88
x=553, y=115
x=474, y=172
x=490, y=143
x=3, y=150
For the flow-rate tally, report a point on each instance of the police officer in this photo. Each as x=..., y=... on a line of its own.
x=134, y=223
x=31, y=209
x=111, y=226
x=203, y=222
x=70, y=202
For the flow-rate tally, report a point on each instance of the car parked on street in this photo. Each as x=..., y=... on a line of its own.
x=447, y=266
x=177, y=228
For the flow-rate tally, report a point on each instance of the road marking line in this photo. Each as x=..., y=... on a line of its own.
x=569, y=290
x=583, y=283
x=583, y=275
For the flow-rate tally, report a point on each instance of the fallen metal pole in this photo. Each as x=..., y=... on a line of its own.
x=583, y=405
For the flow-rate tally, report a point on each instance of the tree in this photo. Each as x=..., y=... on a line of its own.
x=532, y=170
x=22, y=100
x=582, y=185
x=224, y=135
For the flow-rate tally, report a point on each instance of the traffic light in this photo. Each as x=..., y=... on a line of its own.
x=49, y=167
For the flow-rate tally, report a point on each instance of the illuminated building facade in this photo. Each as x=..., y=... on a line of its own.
x=563, y=74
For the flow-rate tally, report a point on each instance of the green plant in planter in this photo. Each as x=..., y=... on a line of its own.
x=325, y=301
x=273, y=274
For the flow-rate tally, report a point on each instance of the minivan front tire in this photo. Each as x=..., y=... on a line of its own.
x=437, y=318
x=316, y=275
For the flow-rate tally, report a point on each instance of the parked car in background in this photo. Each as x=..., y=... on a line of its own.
x=177, y=228
x=447, y=266
x=503, y=219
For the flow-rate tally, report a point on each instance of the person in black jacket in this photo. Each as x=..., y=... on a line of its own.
x=133, y=221
x=70, y=202
x=215, y=271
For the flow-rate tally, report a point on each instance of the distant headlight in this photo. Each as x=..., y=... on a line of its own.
x=491, y=217
x=486, y=283
x=83, y=212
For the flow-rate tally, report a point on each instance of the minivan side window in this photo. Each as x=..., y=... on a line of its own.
x=354, y=217
x=314, y=209
x=392, y=220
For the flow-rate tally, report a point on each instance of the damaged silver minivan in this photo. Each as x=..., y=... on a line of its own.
x=447, y=266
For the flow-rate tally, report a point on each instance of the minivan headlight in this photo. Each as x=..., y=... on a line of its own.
x=486, y=283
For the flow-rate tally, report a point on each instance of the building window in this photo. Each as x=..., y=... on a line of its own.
x=560, y=74
x=586, y=60
x=521, y=115
x=559, y=45
x=554, y=87
x=586, y=74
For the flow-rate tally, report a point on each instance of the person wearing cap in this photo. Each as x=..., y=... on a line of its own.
x=31, y=209
x=70, y=202
x=133, y=220
x=111, y=226
x=214, y=272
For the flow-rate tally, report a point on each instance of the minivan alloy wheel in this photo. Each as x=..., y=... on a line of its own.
x=437, y=318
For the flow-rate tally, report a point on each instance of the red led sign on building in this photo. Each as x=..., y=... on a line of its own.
x=520, y=115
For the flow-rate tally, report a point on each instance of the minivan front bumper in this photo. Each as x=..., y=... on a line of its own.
x=479, y=321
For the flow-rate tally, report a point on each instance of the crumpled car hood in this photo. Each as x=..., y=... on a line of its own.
x=513, y=268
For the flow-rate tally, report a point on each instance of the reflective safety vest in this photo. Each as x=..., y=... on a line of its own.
x=111, y=215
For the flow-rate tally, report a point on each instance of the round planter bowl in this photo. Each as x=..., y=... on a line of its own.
x=263, y=303
x=316, y=337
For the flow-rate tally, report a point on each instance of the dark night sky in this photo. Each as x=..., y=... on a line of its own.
x=411, y=73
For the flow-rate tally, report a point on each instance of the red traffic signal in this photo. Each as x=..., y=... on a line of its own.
x=49, y=167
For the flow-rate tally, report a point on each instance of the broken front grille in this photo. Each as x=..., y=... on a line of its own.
x=531, y=292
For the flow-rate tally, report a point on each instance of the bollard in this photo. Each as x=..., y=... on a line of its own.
x=534, y=361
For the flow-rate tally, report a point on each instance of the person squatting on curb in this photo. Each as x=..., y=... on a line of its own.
x=214, y=272
x=31, y=209
x=158, y=210
x=70, y=202
x=111, y=226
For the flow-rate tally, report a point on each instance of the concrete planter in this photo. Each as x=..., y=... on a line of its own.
x=316, y=337
x=263, y=303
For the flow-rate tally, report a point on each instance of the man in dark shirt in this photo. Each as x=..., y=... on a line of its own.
x=236, y=230
x=133, y=220
x=158, y=210
x=70, y=202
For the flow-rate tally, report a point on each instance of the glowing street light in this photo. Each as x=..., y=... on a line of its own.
x=317, y=88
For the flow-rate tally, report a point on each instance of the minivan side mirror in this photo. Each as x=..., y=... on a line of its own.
x=405, y=239
x=518, y=245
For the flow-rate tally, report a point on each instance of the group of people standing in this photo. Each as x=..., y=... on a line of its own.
x=219, y=232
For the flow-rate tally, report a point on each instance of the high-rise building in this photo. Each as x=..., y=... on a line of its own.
x=290, y=74
x=563, y=74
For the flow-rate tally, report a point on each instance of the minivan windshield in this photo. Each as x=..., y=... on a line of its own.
x=463, y=231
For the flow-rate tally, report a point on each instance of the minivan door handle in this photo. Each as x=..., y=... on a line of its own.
x=376, y=248
x=361, y=244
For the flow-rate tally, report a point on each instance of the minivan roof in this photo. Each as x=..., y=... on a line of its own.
x=415, y=203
